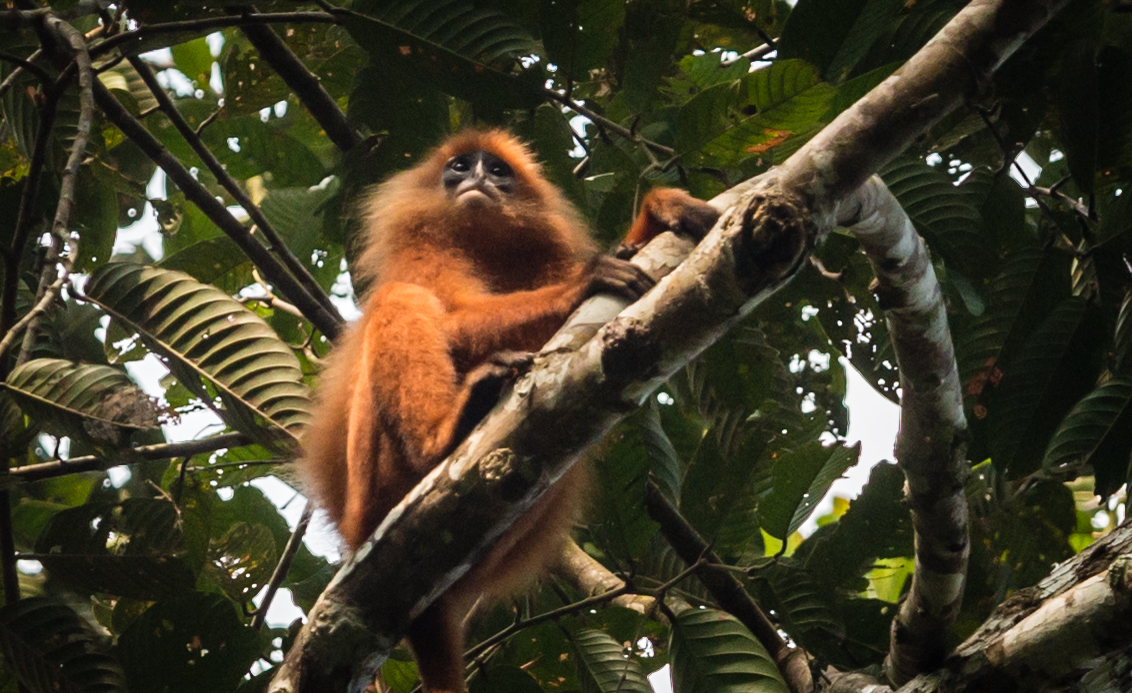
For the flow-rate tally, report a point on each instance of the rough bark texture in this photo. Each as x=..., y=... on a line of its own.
x=1055, y=634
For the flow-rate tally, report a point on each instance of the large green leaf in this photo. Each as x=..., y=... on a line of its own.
x=133, y=549
x=1078, y=111
x=464, y=50
x=1057, y=366
x=791, y=99
x=1097, y=432
x=945, y=215
x=604, y=666
x=81, y=400
x=51, y=649
x=800, y=480
x=835, y=34
x=212, y=343
x=187, y=645
x=712, y=652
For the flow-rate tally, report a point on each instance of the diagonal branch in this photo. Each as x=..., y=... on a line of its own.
x=728, y=591
x=260, y=256
x=305, y=83
x=274, y=240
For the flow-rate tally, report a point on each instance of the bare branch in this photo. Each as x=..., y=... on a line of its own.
x=260, y=256
x=931, y=446
x=305, y=84
x=275, y=242
x=284, y=565
x=144, y=453
x=728, y=591
x=131, y=41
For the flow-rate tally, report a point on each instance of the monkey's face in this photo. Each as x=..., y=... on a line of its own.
x=478, y=178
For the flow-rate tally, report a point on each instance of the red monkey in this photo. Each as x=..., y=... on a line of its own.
x=474, y=256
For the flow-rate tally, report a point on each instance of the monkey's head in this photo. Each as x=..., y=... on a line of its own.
x=478, y=178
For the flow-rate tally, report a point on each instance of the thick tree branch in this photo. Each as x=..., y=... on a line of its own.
x=142, y=453
x=931, y=445
x=260, y=256
x=1045, y=635
x=275, y=242
x=305, y=83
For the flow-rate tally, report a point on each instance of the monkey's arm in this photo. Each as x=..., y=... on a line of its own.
x=665, y=209
x=480, y=324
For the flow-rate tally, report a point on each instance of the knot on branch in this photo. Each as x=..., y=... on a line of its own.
x=509, y=474
x=776, y=233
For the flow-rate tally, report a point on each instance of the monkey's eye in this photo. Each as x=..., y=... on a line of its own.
x=459, y=165
x=500, y=169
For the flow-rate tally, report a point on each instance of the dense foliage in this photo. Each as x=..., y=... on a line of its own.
x=145, y=581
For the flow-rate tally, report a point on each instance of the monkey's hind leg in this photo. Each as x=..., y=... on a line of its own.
x=437, y=639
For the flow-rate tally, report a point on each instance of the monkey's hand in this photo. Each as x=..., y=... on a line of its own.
x=482, y=388
x=684, y=214
x=612, y=275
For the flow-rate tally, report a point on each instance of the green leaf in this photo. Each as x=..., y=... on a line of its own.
x=664, y=462
x=212, y=343
x=1057, y=366
x=242, y=560
x=802, y=486
x=800, y=480
x=1097, y=432
x=835, y=34
x=875, y=526
x=791, y=100
x=945, y=215
x=463, y=50
x=622, y=472
x=93, y=402
x=1078, y=110
x=51, y=649
x=711, y=652
x=132, y=549
x=605, y=668
x=194, y=60
x=187, y=645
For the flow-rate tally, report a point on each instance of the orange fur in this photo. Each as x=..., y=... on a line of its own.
x=451, y=285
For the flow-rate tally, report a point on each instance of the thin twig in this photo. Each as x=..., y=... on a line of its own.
x=15, y=75
x=607, y=123
x=1076, y=205
x=25, y=64
x=304, y=83
x=207, y=26
x=275, y=242
x=261, y=257
x=551, y=615
x=41, y=306
x=47, y=289
x=753, y=55
x=284, y=565
x=162, y=451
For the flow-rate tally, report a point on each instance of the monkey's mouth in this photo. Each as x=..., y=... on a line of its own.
x=476, y=193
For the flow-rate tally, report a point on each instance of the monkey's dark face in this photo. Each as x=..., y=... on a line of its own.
x=478, y=178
